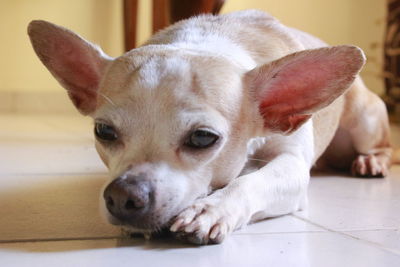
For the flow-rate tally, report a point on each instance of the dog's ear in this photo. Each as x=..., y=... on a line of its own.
x=76, y=64
x=290, y=89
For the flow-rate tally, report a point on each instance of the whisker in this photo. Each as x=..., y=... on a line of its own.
x=118, y=110
x=107, y=99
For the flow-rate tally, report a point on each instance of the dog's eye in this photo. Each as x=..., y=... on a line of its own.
x=201, y=139
x=105, y=132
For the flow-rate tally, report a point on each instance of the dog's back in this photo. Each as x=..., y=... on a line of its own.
x=253, y=38
x=257, y=34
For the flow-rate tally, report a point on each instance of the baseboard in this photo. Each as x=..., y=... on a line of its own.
x=56, y=101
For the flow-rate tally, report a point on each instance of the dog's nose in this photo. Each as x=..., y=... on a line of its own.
x=128, y=197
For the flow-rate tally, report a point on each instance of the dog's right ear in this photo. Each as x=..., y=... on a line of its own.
x=76, y=64
x=289, y=90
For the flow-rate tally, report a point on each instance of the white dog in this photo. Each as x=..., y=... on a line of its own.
x=217, y=120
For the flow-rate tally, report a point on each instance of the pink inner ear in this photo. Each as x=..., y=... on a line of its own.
x=75, y=66
x=74, y=62
x=300, y=86
x=292, y=88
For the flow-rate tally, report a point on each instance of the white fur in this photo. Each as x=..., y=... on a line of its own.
x=201, y=73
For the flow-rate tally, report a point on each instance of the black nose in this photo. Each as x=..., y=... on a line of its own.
x=129, y=197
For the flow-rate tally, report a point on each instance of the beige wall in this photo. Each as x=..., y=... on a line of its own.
x=97, y=20
x=359, y=22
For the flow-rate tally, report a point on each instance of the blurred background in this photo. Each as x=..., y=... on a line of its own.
x=26, y=86
x=51, y=177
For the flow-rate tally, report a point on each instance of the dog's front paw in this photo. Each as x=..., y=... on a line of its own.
x=207, y=221
x=370, y=166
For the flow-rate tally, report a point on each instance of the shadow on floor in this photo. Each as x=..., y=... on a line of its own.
x=62, y=213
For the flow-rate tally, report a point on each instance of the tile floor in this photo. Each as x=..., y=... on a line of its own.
x=50, y=179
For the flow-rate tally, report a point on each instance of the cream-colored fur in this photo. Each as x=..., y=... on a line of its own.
x=252, y=81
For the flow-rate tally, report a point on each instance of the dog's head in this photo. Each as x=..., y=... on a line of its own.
x=172, y=124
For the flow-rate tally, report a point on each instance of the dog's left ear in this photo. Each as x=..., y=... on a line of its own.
x=290, y=89
x=77, y=64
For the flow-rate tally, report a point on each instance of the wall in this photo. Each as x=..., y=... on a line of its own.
x=97, y=20
x=357, y=22
x=26, y=85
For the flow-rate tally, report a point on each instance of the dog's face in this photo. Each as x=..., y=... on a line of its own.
x=166, y=121
x=162, y=118
x=172, y=124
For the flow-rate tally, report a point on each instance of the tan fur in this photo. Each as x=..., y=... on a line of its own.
x=363, y=129
x=250, y=80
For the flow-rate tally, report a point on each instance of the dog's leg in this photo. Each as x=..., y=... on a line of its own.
x=277, y=188
x=365, y=126
x=371, y=137
x=286, y=97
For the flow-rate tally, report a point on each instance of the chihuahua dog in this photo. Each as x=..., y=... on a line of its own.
x=216, y=121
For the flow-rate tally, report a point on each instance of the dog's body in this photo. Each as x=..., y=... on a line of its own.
x=208, y=126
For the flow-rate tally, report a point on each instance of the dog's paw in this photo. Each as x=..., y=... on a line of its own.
x=207, y=221
x=369, y=166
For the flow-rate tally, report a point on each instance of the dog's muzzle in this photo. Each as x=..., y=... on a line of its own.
x=130, y=199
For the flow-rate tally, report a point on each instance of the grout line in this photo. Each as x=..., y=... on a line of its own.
x=83, y=140
x=374, y=244
x=368, y=230
x=55, y=173
x=280, y=233
x=59, y=239
x=62, y=239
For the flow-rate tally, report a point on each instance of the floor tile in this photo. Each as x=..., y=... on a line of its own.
x=50, y=185
x=344, y=203
x=52, y=206
x=31, y=128
x=389, y=239
x=47, y=144
x=73, y=124
x=49, y=157
x=316, y=249
x=66, y=206
x=282, y=224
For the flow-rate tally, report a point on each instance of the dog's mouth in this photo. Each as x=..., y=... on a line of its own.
x=152, y=225
x=134, y=232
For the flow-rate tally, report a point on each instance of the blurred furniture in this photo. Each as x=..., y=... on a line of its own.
x=392, y=59
x=165, y=12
